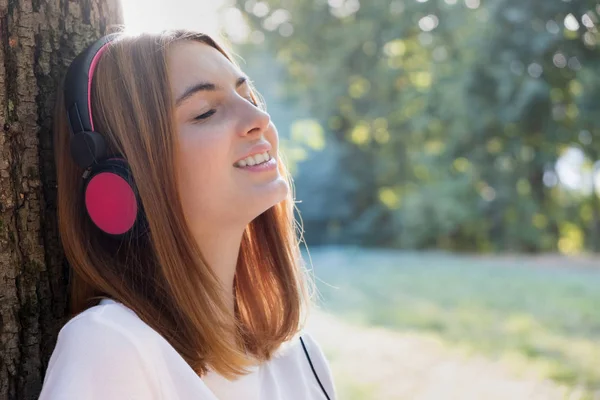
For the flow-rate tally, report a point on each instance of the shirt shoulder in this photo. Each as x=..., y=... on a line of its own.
x=98, y=355
x=319, y=362
x=290, y=366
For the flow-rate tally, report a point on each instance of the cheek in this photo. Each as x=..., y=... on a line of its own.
x=204, y=162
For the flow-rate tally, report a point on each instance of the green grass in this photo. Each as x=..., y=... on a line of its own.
x=535, y=317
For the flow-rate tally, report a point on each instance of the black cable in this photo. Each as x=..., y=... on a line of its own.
x=313, y=368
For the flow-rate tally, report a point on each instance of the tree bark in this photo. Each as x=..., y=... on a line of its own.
x=38, y=39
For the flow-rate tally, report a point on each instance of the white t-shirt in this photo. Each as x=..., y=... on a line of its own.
x=108, y=352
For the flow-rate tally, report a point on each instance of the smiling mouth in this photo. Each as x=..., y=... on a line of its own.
x=256, y=159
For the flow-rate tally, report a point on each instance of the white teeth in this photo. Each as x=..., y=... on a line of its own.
x=253, y=160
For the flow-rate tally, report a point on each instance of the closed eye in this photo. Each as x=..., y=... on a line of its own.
x=213, y=111
x=205, y=115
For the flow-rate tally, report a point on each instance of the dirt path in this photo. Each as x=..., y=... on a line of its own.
x=379, y=364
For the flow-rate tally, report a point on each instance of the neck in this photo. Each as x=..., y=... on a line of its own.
x=221, y=249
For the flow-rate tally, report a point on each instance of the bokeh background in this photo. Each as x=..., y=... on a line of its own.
x=446, y=158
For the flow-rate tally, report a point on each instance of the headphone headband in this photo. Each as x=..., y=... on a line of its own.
x=87, y=146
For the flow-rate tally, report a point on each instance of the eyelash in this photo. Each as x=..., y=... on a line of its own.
x=212, y=112
x=205, y=115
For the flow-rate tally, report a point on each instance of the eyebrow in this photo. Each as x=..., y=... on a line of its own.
x=205, y=86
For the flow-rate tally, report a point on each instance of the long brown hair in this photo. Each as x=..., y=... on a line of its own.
x=163, y=276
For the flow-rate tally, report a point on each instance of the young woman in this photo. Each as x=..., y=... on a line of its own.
x=176, y=215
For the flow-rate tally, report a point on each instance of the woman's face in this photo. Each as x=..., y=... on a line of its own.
x=218, y=125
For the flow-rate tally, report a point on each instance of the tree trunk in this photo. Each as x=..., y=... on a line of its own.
x=38, y=39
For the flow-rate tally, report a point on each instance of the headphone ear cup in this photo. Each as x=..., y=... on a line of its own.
x=111, y=198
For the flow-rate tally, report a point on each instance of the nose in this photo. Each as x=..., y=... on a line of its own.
x=253, y=120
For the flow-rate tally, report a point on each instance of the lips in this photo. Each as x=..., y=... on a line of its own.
x=256, y=149
x=253, y=160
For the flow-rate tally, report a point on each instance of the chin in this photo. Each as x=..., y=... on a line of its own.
x=283, y=192
x=276, y=195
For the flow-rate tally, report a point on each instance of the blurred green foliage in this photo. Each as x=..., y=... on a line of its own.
x=448, y=117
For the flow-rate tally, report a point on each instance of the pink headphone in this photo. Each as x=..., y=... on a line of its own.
x=111, y=198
